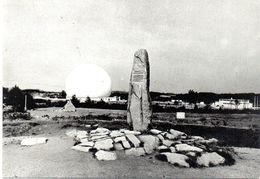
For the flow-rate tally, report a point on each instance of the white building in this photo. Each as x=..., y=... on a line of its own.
x=232, y=104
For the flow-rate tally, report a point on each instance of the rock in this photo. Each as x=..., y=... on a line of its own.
x=99, y=134
x=81, y=148
x=192, y=154
x=116, y=134
x=171, y=136
x=150, y=143
x=81, y=134
x=167, y=142
x=94, y=138
x=132, y=132
x=87, y=144
x=84, y=140
x=105, y=155
x=209, y=141
x=208, y=159
x=160, y=137
x=33, y=141
x=197, y=137
x=100, y=130
x=118, y=146
x=120, y=139
x=106, y=144
x=133, y=139
x=126, y=144
x=187, y=148
x=173, y=149
x=176, y=159
x=177, y=134
x=72, y=133
x=155, y=131
x=135, y=151
x=162, y=147
x=139, y=109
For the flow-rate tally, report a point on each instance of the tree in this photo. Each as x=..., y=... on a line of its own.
x=15, y=98
x=192, y=97
x=63, y=94
x=75, y=101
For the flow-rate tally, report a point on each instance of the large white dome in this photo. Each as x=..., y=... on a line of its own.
x=88, y=80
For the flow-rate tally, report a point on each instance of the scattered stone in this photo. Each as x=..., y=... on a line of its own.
x=88, y=144
x=139, y=109
x=197, y=137
x=99, y=134
x=210, y=159
x=135, y=151
x=167, y=142
x=192, y=154
x=84, y=140
x=209, y=141
x=105, y=155
x=81, y=148
x=106, y=144
x=81, y=134
x=162, y=147
x=116, y=134
x=176, y=159
x=160, y=137
x=132, y=132
x=171, y=136
x=134, y=140
x=33, y=141
x=187, y=148
x=155, y=131
x=173, y=149
x=118, y=146
x=72, y=133
x=150, y=143
x=99, y=137
x=126, y=144
x=120, y=139
x=176, y=133
x=100, y=130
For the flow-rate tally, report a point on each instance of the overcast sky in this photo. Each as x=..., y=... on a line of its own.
x=203, y=45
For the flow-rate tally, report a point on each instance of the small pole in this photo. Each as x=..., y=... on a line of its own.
x=25, y=103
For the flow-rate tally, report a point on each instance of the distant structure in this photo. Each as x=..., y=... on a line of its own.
x=139, y=108
x=232, y=104
x=69, y=107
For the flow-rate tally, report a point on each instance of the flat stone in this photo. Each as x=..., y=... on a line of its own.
x=160, y=137
x=176, y=134
x=162, y=147
x=187, y=148
x=150, y=143
x=33, y=141
x=208, y=159
x=177, y=159
x=171, y=136
x=82, y=134
x=81, y=148
x=197, y=137
x=116, y=133
x=83, y=140
x=72, y=133
x=133, y=139
x=118, y=146
x=135, y=151
x=106, y=144
x=87, y=144
x=126, y=144
x=173, y=149
x=132, y=132
x=155, y=131
x=99, y=134
x=100, y=130
x=192, y=154
x=167, y=142
x=120, y=139
x=99, y=137
x=105, y=155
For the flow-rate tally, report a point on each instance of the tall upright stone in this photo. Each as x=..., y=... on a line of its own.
x=139, y=109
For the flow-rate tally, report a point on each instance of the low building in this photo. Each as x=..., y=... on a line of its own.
x=232, y=104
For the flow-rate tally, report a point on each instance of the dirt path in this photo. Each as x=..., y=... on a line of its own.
x=56, y=159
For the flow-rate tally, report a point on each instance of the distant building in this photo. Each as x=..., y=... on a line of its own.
x=232, y=104
x=113, y=99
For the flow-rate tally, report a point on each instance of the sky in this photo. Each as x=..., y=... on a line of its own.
x=204, y=45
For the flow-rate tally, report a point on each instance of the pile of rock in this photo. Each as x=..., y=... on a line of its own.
x=173, y=146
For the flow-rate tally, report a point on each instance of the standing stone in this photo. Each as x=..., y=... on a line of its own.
x=139, y=109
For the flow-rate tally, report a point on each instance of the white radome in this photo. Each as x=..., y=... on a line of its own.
x=88, y=80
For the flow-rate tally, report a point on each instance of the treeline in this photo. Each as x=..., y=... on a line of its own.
x=192, y=96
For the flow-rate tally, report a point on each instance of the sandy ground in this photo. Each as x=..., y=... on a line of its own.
x=56, y=159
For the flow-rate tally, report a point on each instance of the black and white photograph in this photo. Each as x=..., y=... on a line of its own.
x=130, y=89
